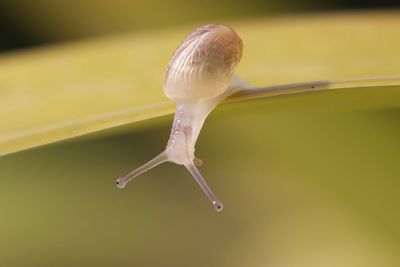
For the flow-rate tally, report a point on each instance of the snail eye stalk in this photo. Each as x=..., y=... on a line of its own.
x=161, y=158
x=217, y=204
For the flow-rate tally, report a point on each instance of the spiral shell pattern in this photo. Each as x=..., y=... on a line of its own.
x=202, y=66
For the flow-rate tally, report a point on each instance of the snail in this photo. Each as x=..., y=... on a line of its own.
x=199, y=76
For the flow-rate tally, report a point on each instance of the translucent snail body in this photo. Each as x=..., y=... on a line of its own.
x=199, y=76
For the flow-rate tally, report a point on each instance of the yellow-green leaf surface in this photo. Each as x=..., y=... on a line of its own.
x=55, y=93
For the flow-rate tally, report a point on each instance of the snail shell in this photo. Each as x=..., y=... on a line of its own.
x=202, y=66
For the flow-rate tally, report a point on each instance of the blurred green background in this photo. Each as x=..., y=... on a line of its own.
x=25, y=23
x=307, y=180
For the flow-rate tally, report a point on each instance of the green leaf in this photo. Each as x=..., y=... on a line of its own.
x=56, y=93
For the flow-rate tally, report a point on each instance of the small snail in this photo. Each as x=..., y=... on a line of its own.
x=199, y=76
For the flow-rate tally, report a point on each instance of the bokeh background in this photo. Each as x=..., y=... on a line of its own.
x=26, y=23
x=307, y=180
